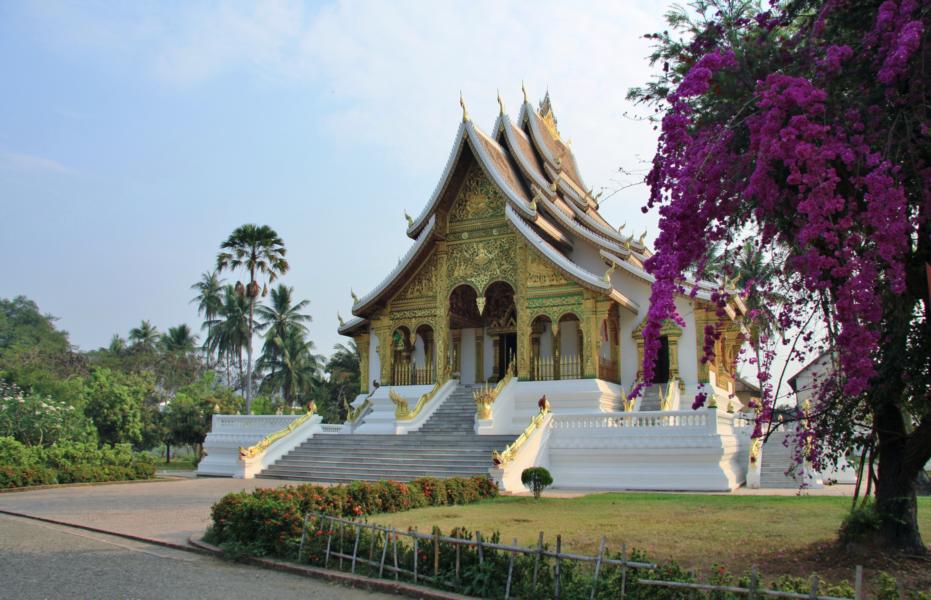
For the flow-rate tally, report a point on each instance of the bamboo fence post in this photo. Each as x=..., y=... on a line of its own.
x=355, y=549
x=342, y=529
x=601, y=554
x=458, y=553
x=536, y=561
x=754, y=583
x=558, y=559
x=858, y=583
x=507, y=588
x=384, y=553
x=415, y=558
x=623, y=570
x=478, y=541
x=436, y=552
x=814, y=587
x=300, y=549
x=329, y=540
x=397, y=572
x=372, y=545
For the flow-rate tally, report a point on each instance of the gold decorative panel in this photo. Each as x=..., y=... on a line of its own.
x=541, y=274
x=477, y=199
x=423, y=284
x=483, y=261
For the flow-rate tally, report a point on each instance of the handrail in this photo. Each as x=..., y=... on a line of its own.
x=665, y=400
x=485, y=397
x=508, y=454
x=357, y=413
x=268, y=440
x=402, y=412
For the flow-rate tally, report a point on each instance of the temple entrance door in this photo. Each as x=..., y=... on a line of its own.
x=661, y=371
x=508, y=351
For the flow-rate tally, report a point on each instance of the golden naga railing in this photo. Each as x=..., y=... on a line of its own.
x=268, y=440
x=665, y=398
x=357, y=413
x=403, y=412
x=486, y=396
x=508, y=454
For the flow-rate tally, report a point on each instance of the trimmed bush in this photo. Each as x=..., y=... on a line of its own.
x=69, y=462
x=269, y=521
x=536, y=479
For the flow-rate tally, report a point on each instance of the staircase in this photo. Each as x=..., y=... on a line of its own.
x=445, y=446
x=650, y=399
x=777, y=458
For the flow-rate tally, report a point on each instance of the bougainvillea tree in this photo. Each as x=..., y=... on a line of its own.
x=805, y=127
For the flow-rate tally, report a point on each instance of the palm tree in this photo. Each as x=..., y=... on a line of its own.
x=117, y=345
x=291, y=366
x=282, y=316
x=179, y=340
x=209, y=300
x=261, y=252
x=228, y=332
x=344, y=374
x=145, y=337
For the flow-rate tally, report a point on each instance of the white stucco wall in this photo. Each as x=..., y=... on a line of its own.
x=420, y=357
x=569, y=338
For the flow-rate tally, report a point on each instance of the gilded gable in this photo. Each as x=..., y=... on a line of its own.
x=423, y=284
x=541, y=274
x=478, y=199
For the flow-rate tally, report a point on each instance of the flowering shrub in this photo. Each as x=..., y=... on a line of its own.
x=269, y=520
x=69, y=462
x=38, y=420
x=804, y=130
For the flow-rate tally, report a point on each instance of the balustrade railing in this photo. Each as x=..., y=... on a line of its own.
x=635, y=420
x=410, y=374
x=549, y=368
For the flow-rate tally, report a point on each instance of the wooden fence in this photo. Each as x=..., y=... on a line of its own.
x=380, y=553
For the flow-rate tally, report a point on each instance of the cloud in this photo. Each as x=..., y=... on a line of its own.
x=394, y=70
x=14, y=161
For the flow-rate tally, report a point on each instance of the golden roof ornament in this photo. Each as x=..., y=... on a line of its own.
x=524, y=90
x=536, y=198
x=620, y=229
x=355, y=299
x=610, y=272
x=555, y=184
x=465, y=113
x=339, y=318
x=501, y=110
x=643, y=236
x=410, y=220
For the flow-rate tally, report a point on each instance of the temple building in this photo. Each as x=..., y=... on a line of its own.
x=513, y=265
x=509, y=336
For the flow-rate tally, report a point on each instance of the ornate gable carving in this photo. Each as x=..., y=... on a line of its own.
x=478, y=198
x=541, y=274
x=423, y=284
x=483, y=261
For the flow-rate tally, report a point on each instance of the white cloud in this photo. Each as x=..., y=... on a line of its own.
x=15, y=161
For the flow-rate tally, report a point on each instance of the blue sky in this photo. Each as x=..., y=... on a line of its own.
x=135, y=136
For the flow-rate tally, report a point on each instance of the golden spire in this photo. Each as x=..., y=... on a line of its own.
x=524, y=90
x=643, y=236
x=501, y=104
x=410, y=221
x=355, y=299
x=465, y=113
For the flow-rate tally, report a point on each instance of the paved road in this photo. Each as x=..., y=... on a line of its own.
x=164, y=510
x=39, y=561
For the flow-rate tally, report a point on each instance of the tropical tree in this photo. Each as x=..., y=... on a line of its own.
x=229, y=330
x=179, y=340
x=209, y=300
x=117, y=345
x=808, y=123
x=261, y=253
x=145, y=337
x=291, y=366
x=283, y=316
x=344, y=380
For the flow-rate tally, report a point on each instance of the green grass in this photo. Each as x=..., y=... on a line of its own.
x=693, y=529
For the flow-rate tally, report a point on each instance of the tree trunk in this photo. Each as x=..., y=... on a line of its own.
x=167, y=453
x=249, y=341
x=896, y=501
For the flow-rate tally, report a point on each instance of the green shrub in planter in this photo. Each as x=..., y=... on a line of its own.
x=537, y=479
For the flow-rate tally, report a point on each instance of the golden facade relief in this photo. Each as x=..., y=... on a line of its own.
x=423, y=284
x=541, y=274
x=478, y=198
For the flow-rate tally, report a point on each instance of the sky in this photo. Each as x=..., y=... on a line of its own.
x=135, y=136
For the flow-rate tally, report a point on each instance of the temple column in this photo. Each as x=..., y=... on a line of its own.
x=479, y=355
x=557, y=349
x=523, y=315
x=589, y=332
x=362, y=344
x=441, y=329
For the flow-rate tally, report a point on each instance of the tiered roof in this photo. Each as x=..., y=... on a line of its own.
x=547, y=203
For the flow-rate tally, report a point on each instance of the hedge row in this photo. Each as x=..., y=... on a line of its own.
x=268, y=521
x=69, y=462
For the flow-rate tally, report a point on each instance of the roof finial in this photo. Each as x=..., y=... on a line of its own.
x=355, y=299
x=500, y=104
x=643, y=236
x=610, y=272
x=523, y=88
x=465, y=113
x=621, y=228
x=410, y=221
x=339, y=318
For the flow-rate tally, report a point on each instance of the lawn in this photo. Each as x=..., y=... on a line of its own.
x=789, y=535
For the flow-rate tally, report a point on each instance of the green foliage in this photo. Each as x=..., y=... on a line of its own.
x=536, y=479
x=861, y=523
x=39, y=420
x=69, y=462
x=114, y=405
x=270, y=520
x=343, y=384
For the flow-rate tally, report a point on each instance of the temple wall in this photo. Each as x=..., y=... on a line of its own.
x=374, y=373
